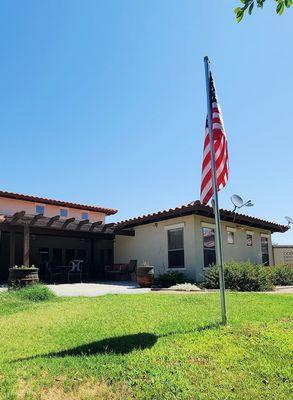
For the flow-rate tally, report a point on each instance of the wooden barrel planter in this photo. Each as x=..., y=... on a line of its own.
x=145, y=276
x=23, y=276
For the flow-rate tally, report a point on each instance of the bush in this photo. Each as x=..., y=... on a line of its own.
x=245, y=277
x=171, y=278
x=35, y=293
x=282, y=275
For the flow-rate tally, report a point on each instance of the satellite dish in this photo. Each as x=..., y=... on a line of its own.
x=289, y=220
x=237, y=200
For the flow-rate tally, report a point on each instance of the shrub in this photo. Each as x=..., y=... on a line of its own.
x=35, y=293
x=245, y=277
x=282, y=275
x=171, y=278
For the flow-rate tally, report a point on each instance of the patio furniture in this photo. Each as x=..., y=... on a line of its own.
x=53, y=271
x=120, y=271
x=75, y=269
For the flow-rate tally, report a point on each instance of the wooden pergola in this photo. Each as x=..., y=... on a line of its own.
x=39, y=224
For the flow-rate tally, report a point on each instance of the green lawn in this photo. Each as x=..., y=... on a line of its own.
x=151, y=346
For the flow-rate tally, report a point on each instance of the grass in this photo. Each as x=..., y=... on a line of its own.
x=150, y=346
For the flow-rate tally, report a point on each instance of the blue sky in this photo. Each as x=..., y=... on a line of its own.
x=103, y=102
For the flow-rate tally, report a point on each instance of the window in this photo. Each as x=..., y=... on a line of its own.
x=102, y=257
x=249, y=241
x=69, y=256
x=109, y=255
x=40, y=209
x=84, y=215
x=175, y=248
x=43, y=261
x=81, y=254
x=209, y=251
x=63, y=213
x=57, y=256
x=265, y=250
x=230, y=237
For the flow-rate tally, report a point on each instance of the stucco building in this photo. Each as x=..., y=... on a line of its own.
x=47, y=232
x=283, y=254
x=183, y=239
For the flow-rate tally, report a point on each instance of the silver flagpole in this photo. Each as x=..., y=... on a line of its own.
x=219, y=250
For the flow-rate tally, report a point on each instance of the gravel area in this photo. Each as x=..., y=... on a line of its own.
x=186, y=287
x=97, y=289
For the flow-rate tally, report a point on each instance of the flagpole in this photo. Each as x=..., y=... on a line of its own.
x=219, y=250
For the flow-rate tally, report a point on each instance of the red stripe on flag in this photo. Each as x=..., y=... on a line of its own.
x=220, y=149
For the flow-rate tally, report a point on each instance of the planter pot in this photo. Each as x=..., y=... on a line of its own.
x=145, y=276
x=23, y=276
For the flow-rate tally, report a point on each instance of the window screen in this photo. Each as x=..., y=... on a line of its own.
x=175, y=248
x=209, y=251
x=265, y=250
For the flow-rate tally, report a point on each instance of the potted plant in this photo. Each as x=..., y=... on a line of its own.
x=145, y=274
x=22, y=276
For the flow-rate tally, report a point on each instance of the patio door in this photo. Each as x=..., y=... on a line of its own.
x=69, y=255
x=44, y=257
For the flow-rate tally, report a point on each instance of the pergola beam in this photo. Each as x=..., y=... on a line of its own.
x=39, y=223
x=35, y=219
x=107, y=226
x=18, y=215
x=81, y=223
x=67, y=222
x=94, y=225
x=52, y=220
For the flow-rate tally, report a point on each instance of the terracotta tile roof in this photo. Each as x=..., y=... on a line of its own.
x=196, y=207
x=44, y=200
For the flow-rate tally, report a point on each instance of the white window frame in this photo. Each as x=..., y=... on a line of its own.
x=170, y=228
x=265, y=235
x=231, y=230
x=174, y=226
x=210, y=226
x=252, y=241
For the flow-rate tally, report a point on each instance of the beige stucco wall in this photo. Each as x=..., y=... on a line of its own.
x=10, y=206
x=283, y=255
x=150, y=244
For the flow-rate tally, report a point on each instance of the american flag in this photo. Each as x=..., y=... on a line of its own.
x=220, y=150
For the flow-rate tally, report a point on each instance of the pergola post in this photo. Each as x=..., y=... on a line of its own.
x=26, y=245
x=12, y=249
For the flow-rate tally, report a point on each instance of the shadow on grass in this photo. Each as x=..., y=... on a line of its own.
x=117, y=345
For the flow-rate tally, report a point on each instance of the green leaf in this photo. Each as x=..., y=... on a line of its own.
x=280, y=8
x=260, y=3
x=250, y=8
x=239, y=15
x=288, y=3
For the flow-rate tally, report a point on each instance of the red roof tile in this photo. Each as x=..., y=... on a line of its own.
x=196, y=207
x=44, y=200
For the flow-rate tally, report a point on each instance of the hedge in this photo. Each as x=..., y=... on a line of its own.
x=282, y=275
x=245, y=277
